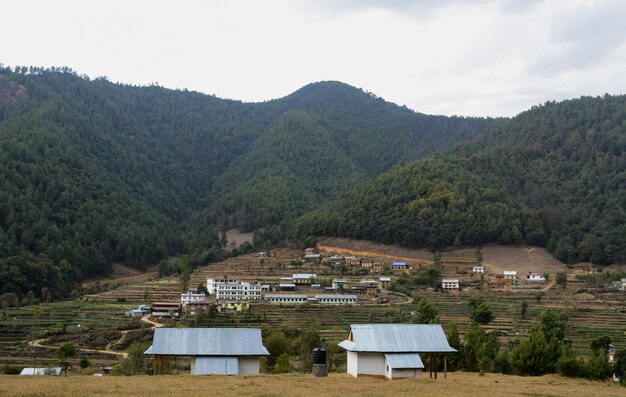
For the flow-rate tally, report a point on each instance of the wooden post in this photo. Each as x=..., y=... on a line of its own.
x=445, y=366
x=436, y=363
x=430, y=364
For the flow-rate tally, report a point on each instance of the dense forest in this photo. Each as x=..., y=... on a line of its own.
x=554, y=176
x=93, y=173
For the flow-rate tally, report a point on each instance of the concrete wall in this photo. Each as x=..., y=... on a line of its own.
x=398, y=373
x=371, y=364
x=353, y=361
x=249, y=365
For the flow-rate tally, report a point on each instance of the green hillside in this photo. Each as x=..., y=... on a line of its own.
x=93, y=172
x=554, y=176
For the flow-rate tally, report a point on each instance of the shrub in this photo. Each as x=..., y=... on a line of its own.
x=9, y=369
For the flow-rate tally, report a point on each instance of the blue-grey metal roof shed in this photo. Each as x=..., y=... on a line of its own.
x=207, y=342
x=397, y=338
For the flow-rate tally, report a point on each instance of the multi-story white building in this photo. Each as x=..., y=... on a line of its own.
x=450, y=284
x=238, y=291
x=192, y=297
x=211, y=283
x=478, y=269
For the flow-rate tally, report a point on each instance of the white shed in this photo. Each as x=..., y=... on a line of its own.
x=213, y=351
x=393, y=350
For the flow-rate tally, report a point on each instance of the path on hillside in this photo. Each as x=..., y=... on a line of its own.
x=107, y=349
x=146, y=319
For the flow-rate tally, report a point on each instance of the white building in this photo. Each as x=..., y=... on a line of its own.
x=339, y=283
x=478, y=269
x=535, y=277
x=392, y=350
x=510, y=274
x=211, y=283
x=286, y=298
x=304, y=278
x=336, y=299
x=238, y=291
x=192, y=297
x=213, y=351
x=450, y=284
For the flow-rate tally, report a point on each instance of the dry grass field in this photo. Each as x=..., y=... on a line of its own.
x=457, y=384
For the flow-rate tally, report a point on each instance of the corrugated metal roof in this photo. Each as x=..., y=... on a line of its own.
x=335, y=296
x=397, y=338
x=280, y=296
x=208, y=342
x=404, y=360
x=42, y=371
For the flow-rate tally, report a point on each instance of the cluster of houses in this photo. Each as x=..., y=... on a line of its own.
x=389, y=350
x=312, y=256
x=506, y=277
x=232, y=295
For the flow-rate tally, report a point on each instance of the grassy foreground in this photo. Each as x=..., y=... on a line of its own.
x=457, y=384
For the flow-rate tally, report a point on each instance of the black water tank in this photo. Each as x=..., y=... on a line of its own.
x=319, y=356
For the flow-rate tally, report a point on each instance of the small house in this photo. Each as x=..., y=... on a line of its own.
x=166, y=309
x=262, y=254
x=393, y=350
x=367, y=263
x=510, y=275
x=304, y=278
x=399, y=266
x=378, y=267
x=310, y=251
x=338, y=283
x=286, y=287
x=193, y=308
x=478, y=269
x=535, y=277
x=213, y=351
x=384, y=282
x=450, y=284
x=352, y=260
x=359, y=289
x=312, y=258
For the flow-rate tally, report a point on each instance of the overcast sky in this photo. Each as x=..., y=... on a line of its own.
x=472, y=57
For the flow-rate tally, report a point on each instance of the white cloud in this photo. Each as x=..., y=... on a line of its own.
x=481, y=57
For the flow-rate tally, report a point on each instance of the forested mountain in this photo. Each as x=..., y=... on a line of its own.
x=554, y=176
x=93, y=172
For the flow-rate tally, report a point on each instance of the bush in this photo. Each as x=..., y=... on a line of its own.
x=9, y=369
x=570, y=365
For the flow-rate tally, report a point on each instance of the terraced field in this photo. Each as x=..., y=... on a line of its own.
x=101, y=320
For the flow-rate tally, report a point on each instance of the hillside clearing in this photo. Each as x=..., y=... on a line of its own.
x=457, y=384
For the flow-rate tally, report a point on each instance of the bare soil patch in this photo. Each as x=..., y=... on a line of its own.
x=522, y=258
x=238, y=237
x=347, y=246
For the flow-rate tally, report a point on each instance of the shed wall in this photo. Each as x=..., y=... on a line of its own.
x=353, y=361
x=371, y=364
x=249, y=365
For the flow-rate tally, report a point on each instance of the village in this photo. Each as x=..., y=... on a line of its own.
x=337, y=290
x=368, y=282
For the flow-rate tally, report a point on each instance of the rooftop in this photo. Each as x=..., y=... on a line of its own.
x=207, y=342
x=397, y=338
